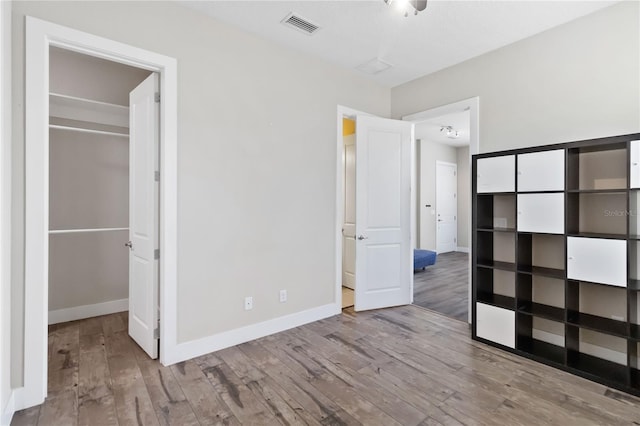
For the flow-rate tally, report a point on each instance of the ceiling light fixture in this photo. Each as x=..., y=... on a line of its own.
x=451, y=132
x=403, y=5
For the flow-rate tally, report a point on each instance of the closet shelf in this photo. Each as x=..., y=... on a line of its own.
x=78, y=231
x=70, y=107
x=92, y=131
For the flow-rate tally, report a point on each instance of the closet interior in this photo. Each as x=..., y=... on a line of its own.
x=88, y=184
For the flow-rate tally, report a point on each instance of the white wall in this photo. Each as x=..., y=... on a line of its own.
x=5, y=211
x=430, y=152
x=577, y=81
x=256, y=160
x=464, y=196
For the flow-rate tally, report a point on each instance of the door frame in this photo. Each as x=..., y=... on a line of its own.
x=346, y=112
x=40, y=35
x=342, y=112
x=474, y=148
x=438, y=162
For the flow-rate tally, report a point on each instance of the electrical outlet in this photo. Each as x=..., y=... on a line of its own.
x=283, y=296
x=248, y=303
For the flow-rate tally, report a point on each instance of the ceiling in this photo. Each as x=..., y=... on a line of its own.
x=429, y=130
x=355, y=32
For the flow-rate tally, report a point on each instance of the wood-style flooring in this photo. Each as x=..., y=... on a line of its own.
x=444, y=287
x=399, y=366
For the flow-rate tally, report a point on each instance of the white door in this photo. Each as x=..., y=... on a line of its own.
x=446, y=207
x=384, y=257
x=143, y=215
x=349, y=225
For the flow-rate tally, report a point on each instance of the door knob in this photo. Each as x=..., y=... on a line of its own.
x=362, y=237
x=129, y=244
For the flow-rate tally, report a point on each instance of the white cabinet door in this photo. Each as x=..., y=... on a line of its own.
x=541, y=171
x=634, y=166
x=496, y=174
x=597, y=260
x=496, y=324
x=541, y=213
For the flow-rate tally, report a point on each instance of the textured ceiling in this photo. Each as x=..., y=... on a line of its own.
x=354, y=32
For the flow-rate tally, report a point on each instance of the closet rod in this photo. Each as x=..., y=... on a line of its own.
x=78, y=129
x=77, y=231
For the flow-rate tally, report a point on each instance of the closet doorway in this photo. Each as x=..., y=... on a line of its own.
x=103, y=192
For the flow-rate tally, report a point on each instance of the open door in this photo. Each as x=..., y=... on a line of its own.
x=143, y=214
x=384, y=259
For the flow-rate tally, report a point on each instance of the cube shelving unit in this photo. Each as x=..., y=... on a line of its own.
x=556, y=256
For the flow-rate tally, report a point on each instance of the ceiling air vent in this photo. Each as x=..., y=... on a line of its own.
x=299, y=23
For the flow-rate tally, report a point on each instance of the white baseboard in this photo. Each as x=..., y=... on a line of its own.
x=226, y=339
x=7, y=412
x=88, y=311
x=462, y=249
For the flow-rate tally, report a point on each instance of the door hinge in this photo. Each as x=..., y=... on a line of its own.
x=156, y=254
x=156, y=176
x=156, y=332
x=156, y=97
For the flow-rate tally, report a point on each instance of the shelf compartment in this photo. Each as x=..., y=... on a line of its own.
x=597, y=307
x=496, y=212
x=634, y=364
x=542, y=338
x=496, y=249
x=634, y=314
x=597, y=213
x=495, y=287
x=541, y=254
x=541, y=350
x=597, y=367
x=599, y=355
x=597, y=167
x=541, y=296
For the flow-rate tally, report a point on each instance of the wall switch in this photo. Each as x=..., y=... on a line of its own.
x=283, y=296
x=248, y=303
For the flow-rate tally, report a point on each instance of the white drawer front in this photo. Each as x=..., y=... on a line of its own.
x=597, y=260
x=634, y=166
x=541, y=171
x=496, y=324
x=496, y=174
x=541, y=213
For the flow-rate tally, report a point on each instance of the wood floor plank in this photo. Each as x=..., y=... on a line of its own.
x=208, y=406
x=237, y=396
x=281, y=405
x=169, y=402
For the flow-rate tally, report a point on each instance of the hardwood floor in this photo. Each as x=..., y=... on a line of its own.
x=444, y=287
x=399, y=366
